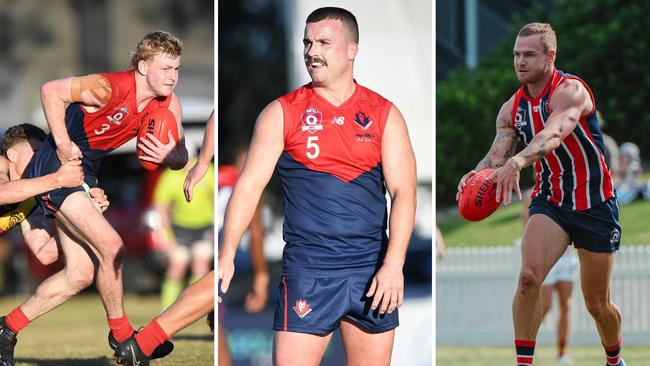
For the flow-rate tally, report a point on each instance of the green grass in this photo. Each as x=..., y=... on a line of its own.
x=544, y=356
x=504, y=226
x=75, y=335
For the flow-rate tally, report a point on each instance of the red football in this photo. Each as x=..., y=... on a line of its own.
x=478, y=199
x=158, y=123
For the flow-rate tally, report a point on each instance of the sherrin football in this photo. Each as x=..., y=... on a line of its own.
x=478, y=198
x=158, y=123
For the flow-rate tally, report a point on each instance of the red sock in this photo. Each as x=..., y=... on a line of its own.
x=525, y=352
x=150, y=337
x=121, y=328
x=561, y=347
x=16, y=320
x=613, y=353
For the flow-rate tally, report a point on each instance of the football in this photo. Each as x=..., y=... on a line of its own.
x=158, y=123
x=478, y=199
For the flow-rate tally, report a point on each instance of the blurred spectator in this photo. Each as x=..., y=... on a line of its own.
x=629, y=183
x=441, y=249
x=187, y=227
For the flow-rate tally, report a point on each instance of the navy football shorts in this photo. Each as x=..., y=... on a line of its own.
x=46, y=161
x=596, y=229
x=317, y=305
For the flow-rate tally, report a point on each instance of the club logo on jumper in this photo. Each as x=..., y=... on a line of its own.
x=362, y=120
x=312, y=120
x=520, y=118
x=113, y=119
x=614, y=236
x=546, y=108
x=302, y=308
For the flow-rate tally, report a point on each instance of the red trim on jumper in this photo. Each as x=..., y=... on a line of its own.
x=286, y=315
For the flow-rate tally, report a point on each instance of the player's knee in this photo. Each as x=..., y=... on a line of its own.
x=203, y=249
x=113, y=247
x=598, y=308
x=529, y=282
x=80, y=277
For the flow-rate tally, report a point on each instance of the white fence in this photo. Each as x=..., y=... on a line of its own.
x=475, y=287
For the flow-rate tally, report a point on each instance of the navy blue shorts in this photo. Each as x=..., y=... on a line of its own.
x=45, y=162
x=596, y=229
x=317, y=305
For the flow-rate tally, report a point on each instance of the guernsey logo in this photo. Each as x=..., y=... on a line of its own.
x=302, y=308
x=113, y=119
x=362, y=120
x=312, y=120
x=520, y=118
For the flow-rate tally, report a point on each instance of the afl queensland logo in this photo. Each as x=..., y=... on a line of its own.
x=312, y=120
x=520, y=117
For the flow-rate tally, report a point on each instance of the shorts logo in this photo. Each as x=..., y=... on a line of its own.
x=312, y=120
x=362, y=120
x=302, y=308
x=614, y=236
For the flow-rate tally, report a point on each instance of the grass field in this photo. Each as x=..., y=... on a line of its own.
x=504, y=226
x=544, y=356
x=75, y=335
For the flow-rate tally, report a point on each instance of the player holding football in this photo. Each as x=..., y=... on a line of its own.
x=573, y=200
x=106, y=111
x=338, y=147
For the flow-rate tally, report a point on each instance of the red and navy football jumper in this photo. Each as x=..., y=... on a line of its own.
x=95, y=133
x=335, y=215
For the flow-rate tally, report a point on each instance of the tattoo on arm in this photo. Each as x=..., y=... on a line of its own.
x=503, y=148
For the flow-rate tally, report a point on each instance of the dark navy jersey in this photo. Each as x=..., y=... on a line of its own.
x=574, y=175
x=334, y=196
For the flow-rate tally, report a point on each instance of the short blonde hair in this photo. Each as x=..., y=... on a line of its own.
x=154, y=43
x=549, y=41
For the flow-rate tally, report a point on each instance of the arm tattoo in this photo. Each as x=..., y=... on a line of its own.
x=503, y=148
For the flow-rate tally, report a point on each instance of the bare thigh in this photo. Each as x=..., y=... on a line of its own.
x=292, y=348
x=365, y=348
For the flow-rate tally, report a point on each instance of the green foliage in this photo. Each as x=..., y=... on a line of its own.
x=605, y=42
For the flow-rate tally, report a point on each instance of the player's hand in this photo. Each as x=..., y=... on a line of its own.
x=68, y=151
x=507, y=178
x=159, y=153
x=463, y=180
x=70, y=174
x=387, y=288
x=99, y=198
x=256, y=298
x=226, y=269
x=195, y=174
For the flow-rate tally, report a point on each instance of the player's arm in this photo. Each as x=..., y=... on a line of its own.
x=256, y=298
x=265, y=149
x=14, y=191
x=174, y=153
x=203, y=163
x=40, y=239
x=503, y=147
x=93, y=91
x=570, y=101
x=398, y=164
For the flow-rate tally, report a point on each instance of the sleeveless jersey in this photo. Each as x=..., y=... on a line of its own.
x=13, y=214
x=574, y=175
x=330, y=170
x=98, y=133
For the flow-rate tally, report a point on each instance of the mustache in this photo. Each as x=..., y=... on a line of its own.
x=310, y=60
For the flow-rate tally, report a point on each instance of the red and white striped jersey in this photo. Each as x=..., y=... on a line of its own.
x=574, y=175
